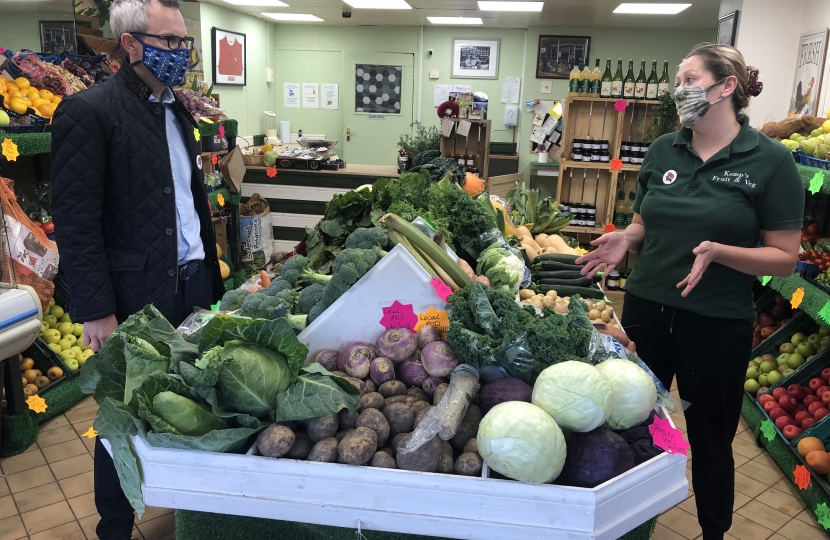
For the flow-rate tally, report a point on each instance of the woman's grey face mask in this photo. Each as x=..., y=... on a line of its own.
x=692, y=104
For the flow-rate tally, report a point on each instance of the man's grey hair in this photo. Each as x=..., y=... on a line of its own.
x=128, y=16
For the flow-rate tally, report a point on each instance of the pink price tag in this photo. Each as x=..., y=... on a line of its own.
x=221, y=130
x=667, y=437
x=399, y=316
x=441, y=289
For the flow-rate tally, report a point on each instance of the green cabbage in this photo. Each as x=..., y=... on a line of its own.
x=633, y=393
x=270, y=158
x=522, y=442
x=577, y=395
x=187, y=416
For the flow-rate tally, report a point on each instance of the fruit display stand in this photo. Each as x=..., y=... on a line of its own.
x=397, y=501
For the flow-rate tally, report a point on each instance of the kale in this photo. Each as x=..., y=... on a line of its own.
x=425, y=157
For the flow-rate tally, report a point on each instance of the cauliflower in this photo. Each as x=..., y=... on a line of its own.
x=502, y=267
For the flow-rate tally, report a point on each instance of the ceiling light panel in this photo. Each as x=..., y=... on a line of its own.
x=455, y=20
x=651, y=9
x=293, y=17
x=510, y=6
x=378, y=4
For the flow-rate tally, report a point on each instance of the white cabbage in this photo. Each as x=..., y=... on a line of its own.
x=633, y=393
x=575, y=394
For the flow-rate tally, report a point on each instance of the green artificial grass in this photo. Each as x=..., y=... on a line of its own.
x=814, y=298
x=807, y=174
x=17, y=433
x=780, y=451
x=211, y=130
x=61, y=398
x=207, y=526
x=29, y=144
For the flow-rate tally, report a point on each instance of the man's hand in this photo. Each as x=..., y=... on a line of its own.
x=705, y=253
x=97, y=332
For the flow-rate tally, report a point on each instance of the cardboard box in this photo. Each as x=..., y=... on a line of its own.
x=233, y=169
x=89, y=31
x=103, y=46
x=220, y=230
x=90, y=23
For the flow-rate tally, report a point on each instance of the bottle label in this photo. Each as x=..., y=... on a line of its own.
x=619, y=219
x=662, y=88
x=584, y=85
x=574, y=86
x=640, y=91
x=629, y=219
x=628, y=90
x=651, y=91
x=606, y=88
x=616, y=88
x=594, y=87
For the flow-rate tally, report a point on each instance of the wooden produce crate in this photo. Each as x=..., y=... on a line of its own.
x=477, y=143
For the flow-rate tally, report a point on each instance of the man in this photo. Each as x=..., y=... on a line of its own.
x=130, y=206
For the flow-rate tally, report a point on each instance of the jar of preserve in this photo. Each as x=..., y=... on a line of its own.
x=612, y=281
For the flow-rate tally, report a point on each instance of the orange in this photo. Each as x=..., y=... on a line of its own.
x=18, y=106
x=55, y=99
x=809, y=444
x=46, y=110
x=37, y=102
x=46, y=94
x=22, y=82
x=819, y=461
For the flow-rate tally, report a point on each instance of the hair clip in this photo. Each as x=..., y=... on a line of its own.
x=754, y=86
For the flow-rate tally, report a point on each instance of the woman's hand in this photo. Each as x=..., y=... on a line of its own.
x=705, y=254
x=611, y=248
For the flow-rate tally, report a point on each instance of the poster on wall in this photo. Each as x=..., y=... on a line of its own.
x=556, y=56
x=195, y=77
x=377, y=89
x=475, y=58
x=330, y=96
x=809, y=69
x=229, y=57
x=311, y=96
x=57, y=37
x=291, y=95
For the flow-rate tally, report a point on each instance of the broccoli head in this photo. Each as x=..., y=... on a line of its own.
x=316, y=311
x=298, y=270
x=308, y=297
x=250, y=307
x=297, y=322
x=232, y=300
x=369, y=238
x=352, y=264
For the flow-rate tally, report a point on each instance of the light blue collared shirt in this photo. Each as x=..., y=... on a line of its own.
x=187, y=222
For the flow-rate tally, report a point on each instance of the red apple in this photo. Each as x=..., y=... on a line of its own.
x=815, y=383
x=825, y=398
x=825, y=375
x=800, y=408
x=820, y=392
x=807, y=423
x=765, y=399
x=809, y=391
x=821, y=413
x=791, y=432
x=797, y=391
x=772, y=404
x=801, y=416
x=788, y=403
x=777, y=413
x=779, y=392
x=809, y=400
x=784, y=421
x=813, y=407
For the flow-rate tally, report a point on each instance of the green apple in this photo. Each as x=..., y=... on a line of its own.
x=787, y=372
x=88, y=352
x=70, y=338
x=786, y=348
x=78, y=330
x=51, y=336
x=81, y=361
x=825, y=342
x=56, y=311
x=51, y=302
x=795, y=361
x=82, y=346
x=805, y=349
x=4, y=118
x=782, y=360
x=65, y=344
x=72, y=364
x=798, y=337
x=795, y=136
x=67, y=355
x=64, y=318
x=753, y=373
x=767, y=357
x=51, y=320
x=77, y=350
x=44, y=327
x=814, y=340
x=55, y=348
x=752, y=386
x=65, y=328
x=768, y=366
x=773, y=377
x=763, y=379
x=753, y=363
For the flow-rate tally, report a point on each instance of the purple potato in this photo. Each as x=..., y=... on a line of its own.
x=356, y=358
x=411, y=371
x=397, y=344
x=328, y=359
x=381, y=370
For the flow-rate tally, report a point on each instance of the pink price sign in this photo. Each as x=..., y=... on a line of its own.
x=441, y=289
x=667, y=437
x=399, y=316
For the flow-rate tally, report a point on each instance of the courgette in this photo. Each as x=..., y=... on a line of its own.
x=558, y=257
x=557, y=274
x=538, y=265
x=574, y=282
x=568, y=290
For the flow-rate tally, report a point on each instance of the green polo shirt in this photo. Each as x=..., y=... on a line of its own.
x=748, y=187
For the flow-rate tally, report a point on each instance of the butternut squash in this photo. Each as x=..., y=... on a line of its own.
x=529, y=240
x=524, y=231
x=531, y=253
x=560, y=246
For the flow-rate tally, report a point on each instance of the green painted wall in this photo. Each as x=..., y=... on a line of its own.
x=21, y=30
x=246, y=104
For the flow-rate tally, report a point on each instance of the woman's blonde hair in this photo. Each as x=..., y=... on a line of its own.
x=724, y=61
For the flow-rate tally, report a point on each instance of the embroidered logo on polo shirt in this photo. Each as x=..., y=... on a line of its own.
x=669, y=177
x=199, y=162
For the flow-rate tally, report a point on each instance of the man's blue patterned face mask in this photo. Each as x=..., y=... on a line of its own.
x=168, y=66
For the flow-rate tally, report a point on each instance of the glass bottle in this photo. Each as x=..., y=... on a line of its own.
x=596, y=81
x=607, y=81
x=640, y=83
x=585, y=81
x=663, y=83
x=575, y=81
x=629, y=209
x=619, y=211
x=617, y=83
x=652, y=84
x=628, y=82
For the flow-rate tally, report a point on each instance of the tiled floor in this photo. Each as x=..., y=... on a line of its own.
x=46, y=492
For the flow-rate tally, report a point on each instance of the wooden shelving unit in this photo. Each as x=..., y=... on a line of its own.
x=476, y=143
x=596, y=183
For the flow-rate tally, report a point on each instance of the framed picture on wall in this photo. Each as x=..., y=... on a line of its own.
x=557, y=55
x=229, y=57
x=809, y=67
x=728, y=28
x=57, y=37
x=475, y=58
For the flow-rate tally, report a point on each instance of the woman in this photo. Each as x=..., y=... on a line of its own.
x=706, y=195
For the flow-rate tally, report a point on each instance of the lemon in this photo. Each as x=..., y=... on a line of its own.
x=22, y=82
x=18, y=106
x=825, y=127
x=46, y=110
x=37, y=102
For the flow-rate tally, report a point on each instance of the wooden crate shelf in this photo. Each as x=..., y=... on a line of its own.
x=477, y=143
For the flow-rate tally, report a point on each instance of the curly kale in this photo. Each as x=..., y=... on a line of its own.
x=232, y=300
x=470, y=223
x=439, y=167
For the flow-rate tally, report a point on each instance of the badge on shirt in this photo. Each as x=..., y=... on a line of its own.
x=668, y=178
x=199, y=162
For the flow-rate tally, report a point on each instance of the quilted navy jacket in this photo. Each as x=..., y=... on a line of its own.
x=113, y=200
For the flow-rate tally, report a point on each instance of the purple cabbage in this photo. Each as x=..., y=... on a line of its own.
x=356, y=358
x=594, y=458
x=328, y=359
x=502, y=390
x=397, y=344
x=411, y=371
x=382, y=370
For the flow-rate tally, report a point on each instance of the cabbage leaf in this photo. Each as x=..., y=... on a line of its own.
x=316, y=393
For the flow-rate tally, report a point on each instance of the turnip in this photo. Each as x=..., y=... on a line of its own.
x=431, y=383
x=328, y=359
x=438, y=359
x=382, y=370
x=356, y=358
x=411, y=371
x=428, y=334
x=397, y=344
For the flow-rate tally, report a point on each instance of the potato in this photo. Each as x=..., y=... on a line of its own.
x=383, y=460
x=388, y=450
x=468, y=427
x=548, y=301
x=290, y=424
x=400, y=418
x=392, y=388
x=374, y=420
x=301, y=447
x=275, y=441
x=396, y=441
x=372, y=400
x=340, y=435
x=471, y=446
x=561, y=308
x=594, y=314
x=396, y=399
x=447, y=463
x=527, y=301
x=424, y=459
x=439, y=393
x=600, y=306
x=347, y=419
x=322, y=427
x=418, y=394
x=359, y=446
x=552, y=294
x=420, y=416
x=325, y=451
x=607, y=316
x=369, y=386
x=418, y=405
x=524, y=294
x=340, y=459
x=468, y=464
